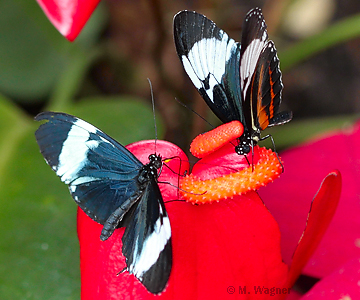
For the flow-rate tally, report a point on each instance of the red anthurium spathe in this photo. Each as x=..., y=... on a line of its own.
x=68, y=16
x=322, y=209
x=226, y=250
x=321, y=213
x=305, y=166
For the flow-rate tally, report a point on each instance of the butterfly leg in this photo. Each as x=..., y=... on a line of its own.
x=269, y=136
x=122, y=271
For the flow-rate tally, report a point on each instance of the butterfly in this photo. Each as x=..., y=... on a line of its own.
x=238, y=81
x=114, y=189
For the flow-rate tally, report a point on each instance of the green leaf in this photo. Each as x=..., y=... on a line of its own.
x=126, y=119
x=70, y=79
x=39, y=247
x=33, y=53
x=338, y=33
x=29, y=66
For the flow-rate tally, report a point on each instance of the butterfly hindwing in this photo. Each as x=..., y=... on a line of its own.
x=147, y=241
x=211, y=59
x=265, y=90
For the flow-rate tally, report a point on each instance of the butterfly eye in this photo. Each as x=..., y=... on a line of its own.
x=152, y=157
x=239, y=150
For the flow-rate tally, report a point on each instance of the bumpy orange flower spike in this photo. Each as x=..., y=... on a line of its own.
x=260, y=174
x=209, y=142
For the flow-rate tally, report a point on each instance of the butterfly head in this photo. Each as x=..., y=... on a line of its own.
x=243, y=147
x=246, y=141
x=155, y=163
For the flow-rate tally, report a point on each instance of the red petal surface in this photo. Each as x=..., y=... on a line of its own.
x=68, y=16
x=294, y=295
x=288, y=198
x=322, y=210
x=216, y=247
x=176, y=163
x=343, y=284
x=222, y=162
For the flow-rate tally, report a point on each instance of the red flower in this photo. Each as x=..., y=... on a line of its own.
x=305, y=166
x=68, y=16
x=219, y=250
x=336, y=260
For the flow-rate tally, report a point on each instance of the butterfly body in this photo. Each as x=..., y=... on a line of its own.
x=238, y=81
x=114, y=189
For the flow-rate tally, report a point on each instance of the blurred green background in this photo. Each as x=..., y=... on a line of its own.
x=102, y=78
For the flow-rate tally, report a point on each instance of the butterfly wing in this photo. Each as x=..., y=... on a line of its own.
x=266, y=88
x=101, y=173
x=254, y=39
x=211, y=59
x=147, y=241
x=260, y=75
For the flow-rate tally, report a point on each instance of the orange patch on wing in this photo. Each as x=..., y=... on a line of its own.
x=209, y=142
x=251, y=178
x=263, y=118
x=271, y=107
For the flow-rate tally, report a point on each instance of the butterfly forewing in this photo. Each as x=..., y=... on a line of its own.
x=211, y=60
x=100, y=172
x=147, y=241
x=253, y=41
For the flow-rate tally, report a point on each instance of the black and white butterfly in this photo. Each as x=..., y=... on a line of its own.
x=238, y=81
x=114, y=189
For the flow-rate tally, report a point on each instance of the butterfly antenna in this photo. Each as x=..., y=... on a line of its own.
x=153, y=109
x=193, y=111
